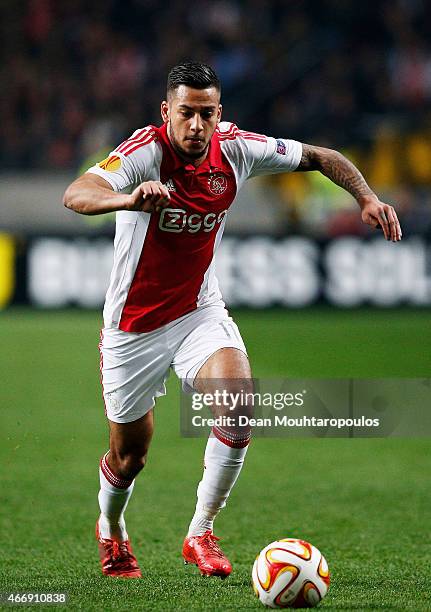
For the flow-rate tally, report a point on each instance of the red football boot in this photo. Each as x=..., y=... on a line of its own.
x=117, y=558
x=204, y=552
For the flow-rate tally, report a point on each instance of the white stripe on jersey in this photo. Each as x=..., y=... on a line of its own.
x=129, y=240
x=209, y=291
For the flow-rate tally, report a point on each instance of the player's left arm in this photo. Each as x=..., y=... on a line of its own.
x=345, y=174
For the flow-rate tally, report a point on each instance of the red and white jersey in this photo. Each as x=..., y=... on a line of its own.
x=164, y=262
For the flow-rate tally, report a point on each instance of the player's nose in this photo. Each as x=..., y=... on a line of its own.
x=197, y=125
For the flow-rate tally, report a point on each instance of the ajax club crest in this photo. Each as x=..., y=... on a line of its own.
x=217, y=184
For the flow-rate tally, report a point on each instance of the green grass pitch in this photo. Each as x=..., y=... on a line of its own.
x=364, y=503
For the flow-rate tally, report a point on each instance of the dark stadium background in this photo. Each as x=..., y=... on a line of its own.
x=314, y=292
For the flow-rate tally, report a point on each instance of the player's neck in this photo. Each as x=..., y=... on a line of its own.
x=193, y=162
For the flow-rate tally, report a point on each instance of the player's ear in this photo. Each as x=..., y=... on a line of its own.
x=220, y=108
x=164, y=111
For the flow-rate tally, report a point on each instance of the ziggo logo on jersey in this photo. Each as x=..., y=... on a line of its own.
x=178, y=220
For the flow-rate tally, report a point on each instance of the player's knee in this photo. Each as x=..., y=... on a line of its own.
x=240, y=387
x=242, y=398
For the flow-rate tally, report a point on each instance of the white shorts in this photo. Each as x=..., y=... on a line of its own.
x=135, y=366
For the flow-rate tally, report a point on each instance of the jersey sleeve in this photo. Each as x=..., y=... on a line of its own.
x=255, y=154
x=131, y=163
x=273, y=155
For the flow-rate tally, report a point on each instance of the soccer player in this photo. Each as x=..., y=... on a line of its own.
x=172, y=187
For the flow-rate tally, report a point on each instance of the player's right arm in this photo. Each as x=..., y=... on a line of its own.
x=127, y=180
x=91, y=194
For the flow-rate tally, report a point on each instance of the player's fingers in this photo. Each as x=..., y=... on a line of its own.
x=155, y=196
x=155, y=203
x=392, y=223
x=161, y=200
x=160, y=196
x=151, y=200
x=383, y=221
x=399, y=232
x=146, y=191
x=164, y=199
x=146, y=206
x=164, y=190
x=148, y=200
x=151, y=187
x=152, y=190
x=158, y=201
x=162, y=203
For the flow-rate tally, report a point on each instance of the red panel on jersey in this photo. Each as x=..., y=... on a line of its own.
x=179, y=243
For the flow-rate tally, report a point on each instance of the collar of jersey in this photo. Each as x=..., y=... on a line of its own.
x=211, y=163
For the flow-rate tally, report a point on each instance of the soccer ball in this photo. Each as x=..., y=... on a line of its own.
x=290, y=574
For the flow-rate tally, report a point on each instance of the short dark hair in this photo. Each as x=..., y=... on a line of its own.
x=192, y=74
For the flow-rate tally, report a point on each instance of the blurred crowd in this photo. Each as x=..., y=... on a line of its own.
x=79, y=76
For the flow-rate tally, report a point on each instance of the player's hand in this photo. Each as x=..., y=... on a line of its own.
x=381, y=216
x=150, y=196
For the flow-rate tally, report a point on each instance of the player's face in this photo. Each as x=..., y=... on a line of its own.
x=192, y=116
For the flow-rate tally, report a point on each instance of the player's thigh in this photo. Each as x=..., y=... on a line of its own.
x=210, y=337
x=201, y=335
x=212, y=359
x=134, y=368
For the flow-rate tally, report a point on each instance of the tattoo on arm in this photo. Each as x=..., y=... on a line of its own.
x=336, y=167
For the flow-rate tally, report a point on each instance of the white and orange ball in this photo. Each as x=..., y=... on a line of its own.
x=290, y=573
